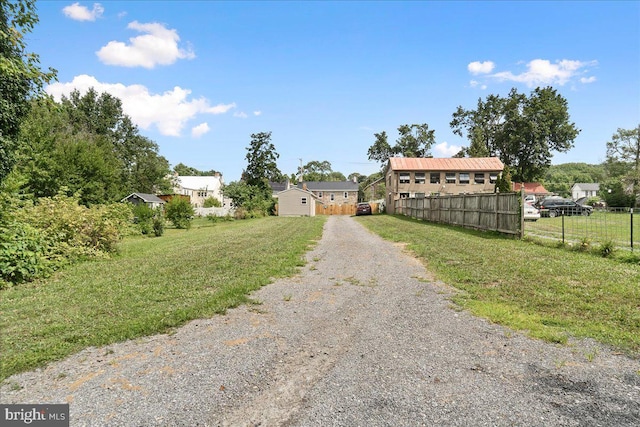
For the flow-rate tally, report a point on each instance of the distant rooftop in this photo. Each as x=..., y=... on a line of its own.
x=330, y=185
x=199, y=182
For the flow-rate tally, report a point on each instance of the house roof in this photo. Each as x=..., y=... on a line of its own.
x=529, y=187
x=199, y=182
x=277, y=187
x=330, y=185
x=145, y=197
x=587, y=186
x=446, y=164
x=381, y=179
x=300, y=190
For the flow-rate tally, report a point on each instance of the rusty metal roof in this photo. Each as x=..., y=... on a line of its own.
x=529, y=187
x=446, y=164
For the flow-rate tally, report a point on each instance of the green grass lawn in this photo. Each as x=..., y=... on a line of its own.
x=550, y=293
x=154, y=284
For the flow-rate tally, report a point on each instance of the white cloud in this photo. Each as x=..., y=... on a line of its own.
x=478, y=67
x=257, y=113
x=475, y=83
x=587, y=79
x=169, y=112
x=445, y=150
x=542, y=71
x=157, y=46
x=240, y=114
x=200, y=130
x=82, y=13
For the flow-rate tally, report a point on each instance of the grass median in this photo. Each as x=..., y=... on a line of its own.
x=550, y=293
x=153, y=285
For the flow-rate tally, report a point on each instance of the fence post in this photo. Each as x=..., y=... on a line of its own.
x=522, y=212
x=631, y=229
x=562, y=215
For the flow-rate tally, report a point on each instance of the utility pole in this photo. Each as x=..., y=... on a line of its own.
x=301, y=171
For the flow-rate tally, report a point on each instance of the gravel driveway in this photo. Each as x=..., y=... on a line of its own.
x=363, y=336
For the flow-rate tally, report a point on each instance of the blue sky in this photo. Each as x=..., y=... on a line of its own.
x=199, y=78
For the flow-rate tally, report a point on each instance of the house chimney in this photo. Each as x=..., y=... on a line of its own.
x=304, y=186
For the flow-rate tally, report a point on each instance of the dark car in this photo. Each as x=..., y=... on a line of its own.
x=363, y=209
x=554, y=207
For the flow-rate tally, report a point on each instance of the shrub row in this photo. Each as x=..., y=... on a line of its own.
x=39, y=238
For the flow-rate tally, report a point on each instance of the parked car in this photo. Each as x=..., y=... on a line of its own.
x=363, y=209
x=553, y=207
x=531, y=213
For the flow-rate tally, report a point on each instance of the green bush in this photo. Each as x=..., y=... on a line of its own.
x=143, y=217
x=77, y=231
x=212, y=202
x=158, y=222
x=23, y=254
x=180, y=212
x=38, y=238
x=606, y=249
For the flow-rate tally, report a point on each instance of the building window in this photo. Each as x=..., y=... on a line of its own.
x=493, y=177
x=346, y=195
x=420, y=177
x=332, y=197
x=320, y=194
x=435, y=178
x=303, y=200
x=463, y=178
x=405, y=178
x=450, y=178
x=478, y=178
x=404, y=195
x=202, y=194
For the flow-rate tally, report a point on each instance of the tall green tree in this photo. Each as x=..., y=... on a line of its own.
x=481, y=126
x=316, y=170
x=523, y=131
x=624, y=148
x=53, y=157
x=141, y=168
x=380, y=151
x=261, y=161
x=413, y=141
x=61, y=149
x=20, y=75
x=321, y=171
x=184, y=170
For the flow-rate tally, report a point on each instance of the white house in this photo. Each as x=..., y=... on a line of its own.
x=579, y=190
x=198, y=188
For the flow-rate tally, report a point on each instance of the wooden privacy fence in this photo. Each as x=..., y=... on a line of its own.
x=341, y=209
x=492, y=212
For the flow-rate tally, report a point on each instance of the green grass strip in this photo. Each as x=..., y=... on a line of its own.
x=153, y=285
x=550, y=293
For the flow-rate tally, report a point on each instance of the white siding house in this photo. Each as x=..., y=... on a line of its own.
x=198, y=188
x=579, y=190
x=296, y=202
